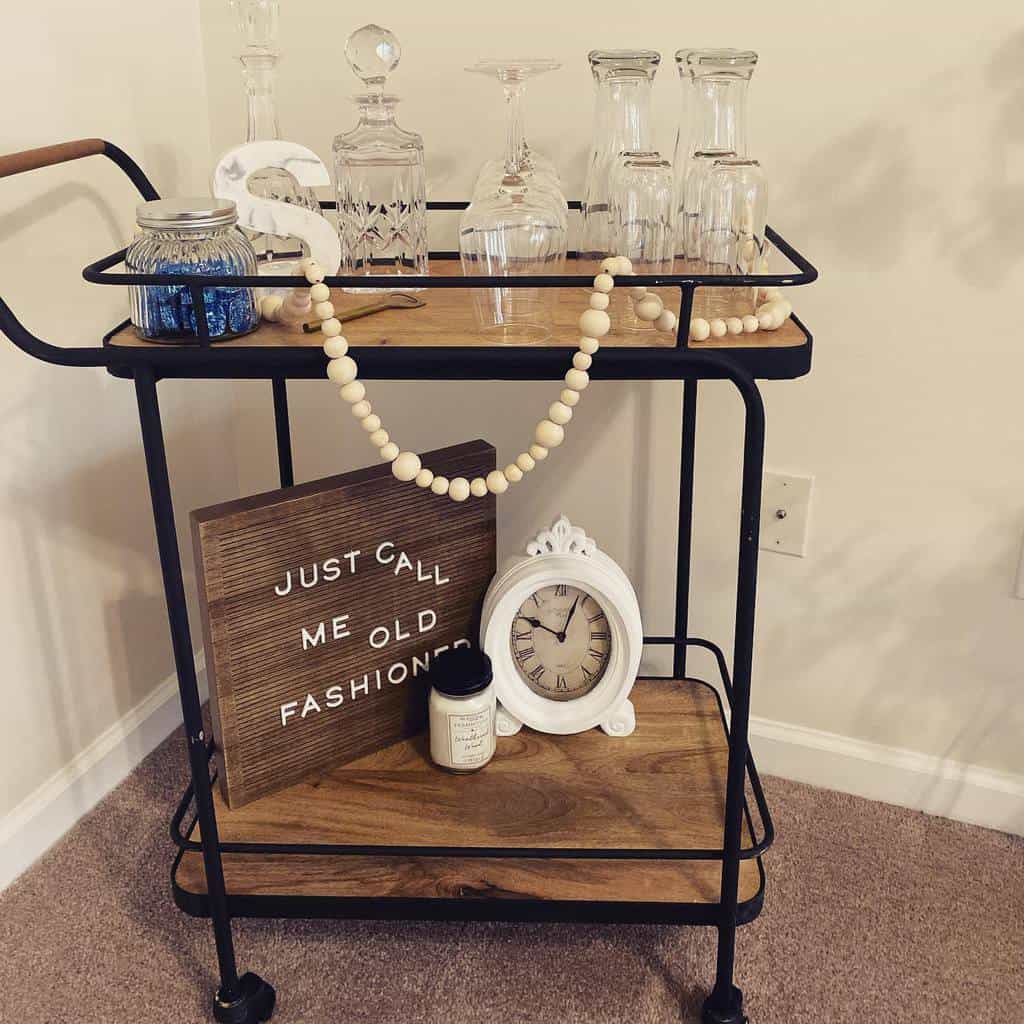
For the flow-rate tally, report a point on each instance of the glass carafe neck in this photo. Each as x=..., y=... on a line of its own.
x=720, y=114
x=377, y=109
x=259, y=72
x=624, y=112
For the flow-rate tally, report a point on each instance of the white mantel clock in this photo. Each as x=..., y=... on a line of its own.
x=561, y=626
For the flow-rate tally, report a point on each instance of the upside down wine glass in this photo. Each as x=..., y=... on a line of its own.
x=517, y=226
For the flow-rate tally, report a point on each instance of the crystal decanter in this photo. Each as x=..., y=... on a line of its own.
x=257, y=23
x=379, y=172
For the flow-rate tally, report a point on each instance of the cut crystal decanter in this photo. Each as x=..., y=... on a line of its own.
x=379, y=171
x=257, y=23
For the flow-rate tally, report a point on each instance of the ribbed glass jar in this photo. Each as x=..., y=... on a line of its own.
x=190, y=236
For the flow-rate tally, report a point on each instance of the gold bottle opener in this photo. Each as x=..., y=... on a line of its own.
x=393, y=300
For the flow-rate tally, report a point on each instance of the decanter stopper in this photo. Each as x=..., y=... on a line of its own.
x=257, y=23
x=373, y=53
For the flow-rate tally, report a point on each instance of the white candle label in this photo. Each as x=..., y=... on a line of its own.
x=470, y=737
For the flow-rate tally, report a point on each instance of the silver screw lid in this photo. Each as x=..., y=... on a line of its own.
x=186, y=214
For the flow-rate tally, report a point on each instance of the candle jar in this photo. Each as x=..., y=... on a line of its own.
x=462, y=709
x=190, y=236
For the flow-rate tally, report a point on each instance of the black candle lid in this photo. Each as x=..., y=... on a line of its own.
x=460, y=671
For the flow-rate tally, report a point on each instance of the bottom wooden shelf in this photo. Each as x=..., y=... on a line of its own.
x=661, y=788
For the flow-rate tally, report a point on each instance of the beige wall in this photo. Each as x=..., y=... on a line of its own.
x=892, y=142
x=82, y=622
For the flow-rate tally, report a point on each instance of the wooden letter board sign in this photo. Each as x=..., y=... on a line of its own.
x=323, y=606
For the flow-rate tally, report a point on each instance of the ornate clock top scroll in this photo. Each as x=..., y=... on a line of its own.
x=562, y=539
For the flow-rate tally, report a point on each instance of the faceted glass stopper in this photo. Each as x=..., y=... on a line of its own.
x=373, y=53
x=257, y=22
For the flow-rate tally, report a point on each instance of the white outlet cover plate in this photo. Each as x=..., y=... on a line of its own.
x=790, y=495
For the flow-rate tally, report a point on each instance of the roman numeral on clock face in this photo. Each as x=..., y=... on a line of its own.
x=536, y=672
x=599, y=634
x=561, y=590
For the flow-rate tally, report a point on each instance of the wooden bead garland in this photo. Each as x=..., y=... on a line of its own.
x=594, y=324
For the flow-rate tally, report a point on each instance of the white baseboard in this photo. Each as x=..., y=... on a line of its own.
x=889, y=774
x=46, y=814
x=950, y=789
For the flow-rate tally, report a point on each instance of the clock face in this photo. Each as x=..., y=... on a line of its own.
x=561, y=642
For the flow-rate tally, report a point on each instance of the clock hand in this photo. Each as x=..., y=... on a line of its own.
x=572, y=612
x=537, y=624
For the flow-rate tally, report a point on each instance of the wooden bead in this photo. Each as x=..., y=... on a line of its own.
x=595, y=323
x=718, y=328
x=608, y=264
x=560, y=413
x=297, y=300
x=331, y=328
x=700, y=329
x=406, y=466
x=734, y=325
x=323, y=310
x=649, y=307
x=623, y=265
x=582, y=361
x=311, y=270
x=497, y=482
x=425, y=477
x=320, y=293
x=750, y=324
x=768, y=321
x=439, y=485
x=667, y=322
x=270, y=307
x=538, y=452
x=336, y=347
x=458, y=489
x=513, y=474
x=549, y=434
x=379, y=437
x=361, y=409
x=604, y=283
x=589, y=345
x=478, y=487
x=525, y=461
x=389, y=452
x=569, y=397
x=598, y=300
x=342, y=370
x=354, y=391
x=370, y=423
x=638, y=291
x=577, y=379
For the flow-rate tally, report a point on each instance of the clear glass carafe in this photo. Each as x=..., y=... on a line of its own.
x=713, y=126
x=622, y=123
x=380, y=174
x=257, y=23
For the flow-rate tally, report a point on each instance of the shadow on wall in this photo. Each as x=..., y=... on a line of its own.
x=81, y=543
x=888, y=183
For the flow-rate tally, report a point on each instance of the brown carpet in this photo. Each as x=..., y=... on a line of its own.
x=873, y=914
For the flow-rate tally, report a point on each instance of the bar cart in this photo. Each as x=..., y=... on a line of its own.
x=690, y=822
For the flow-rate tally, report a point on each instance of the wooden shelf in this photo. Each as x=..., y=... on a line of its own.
x=661, y=788
x=447, y=320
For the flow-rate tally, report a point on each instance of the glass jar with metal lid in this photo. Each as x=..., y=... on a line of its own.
x=190, y=236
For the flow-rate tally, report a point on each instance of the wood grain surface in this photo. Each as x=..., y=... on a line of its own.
x=663, y=787
x=447, y=320
x=47, y=156
x=260, y=661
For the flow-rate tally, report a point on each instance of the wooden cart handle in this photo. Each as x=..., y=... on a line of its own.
x=46, y=156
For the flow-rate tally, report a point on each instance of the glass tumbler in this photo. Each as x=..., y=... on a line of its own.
x=641, y=224
x=734, y=204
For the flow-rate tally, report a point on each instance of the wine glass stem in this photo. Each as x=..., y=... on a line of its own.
x=514, y=142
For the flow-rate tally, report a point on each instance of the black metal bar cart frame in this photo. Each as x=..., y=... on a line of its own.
x=247, y=998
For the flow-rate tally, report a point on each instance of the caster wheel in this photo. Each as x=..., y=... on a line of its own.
x=724, y=1011
x=254, y=1005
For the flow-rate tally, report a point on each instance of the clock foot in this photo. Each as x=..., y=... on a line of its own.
x=506, y=724
x=622, y=721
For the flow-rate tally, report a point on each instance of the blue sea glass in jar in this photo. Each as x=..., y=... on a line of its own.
x=190, y=236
